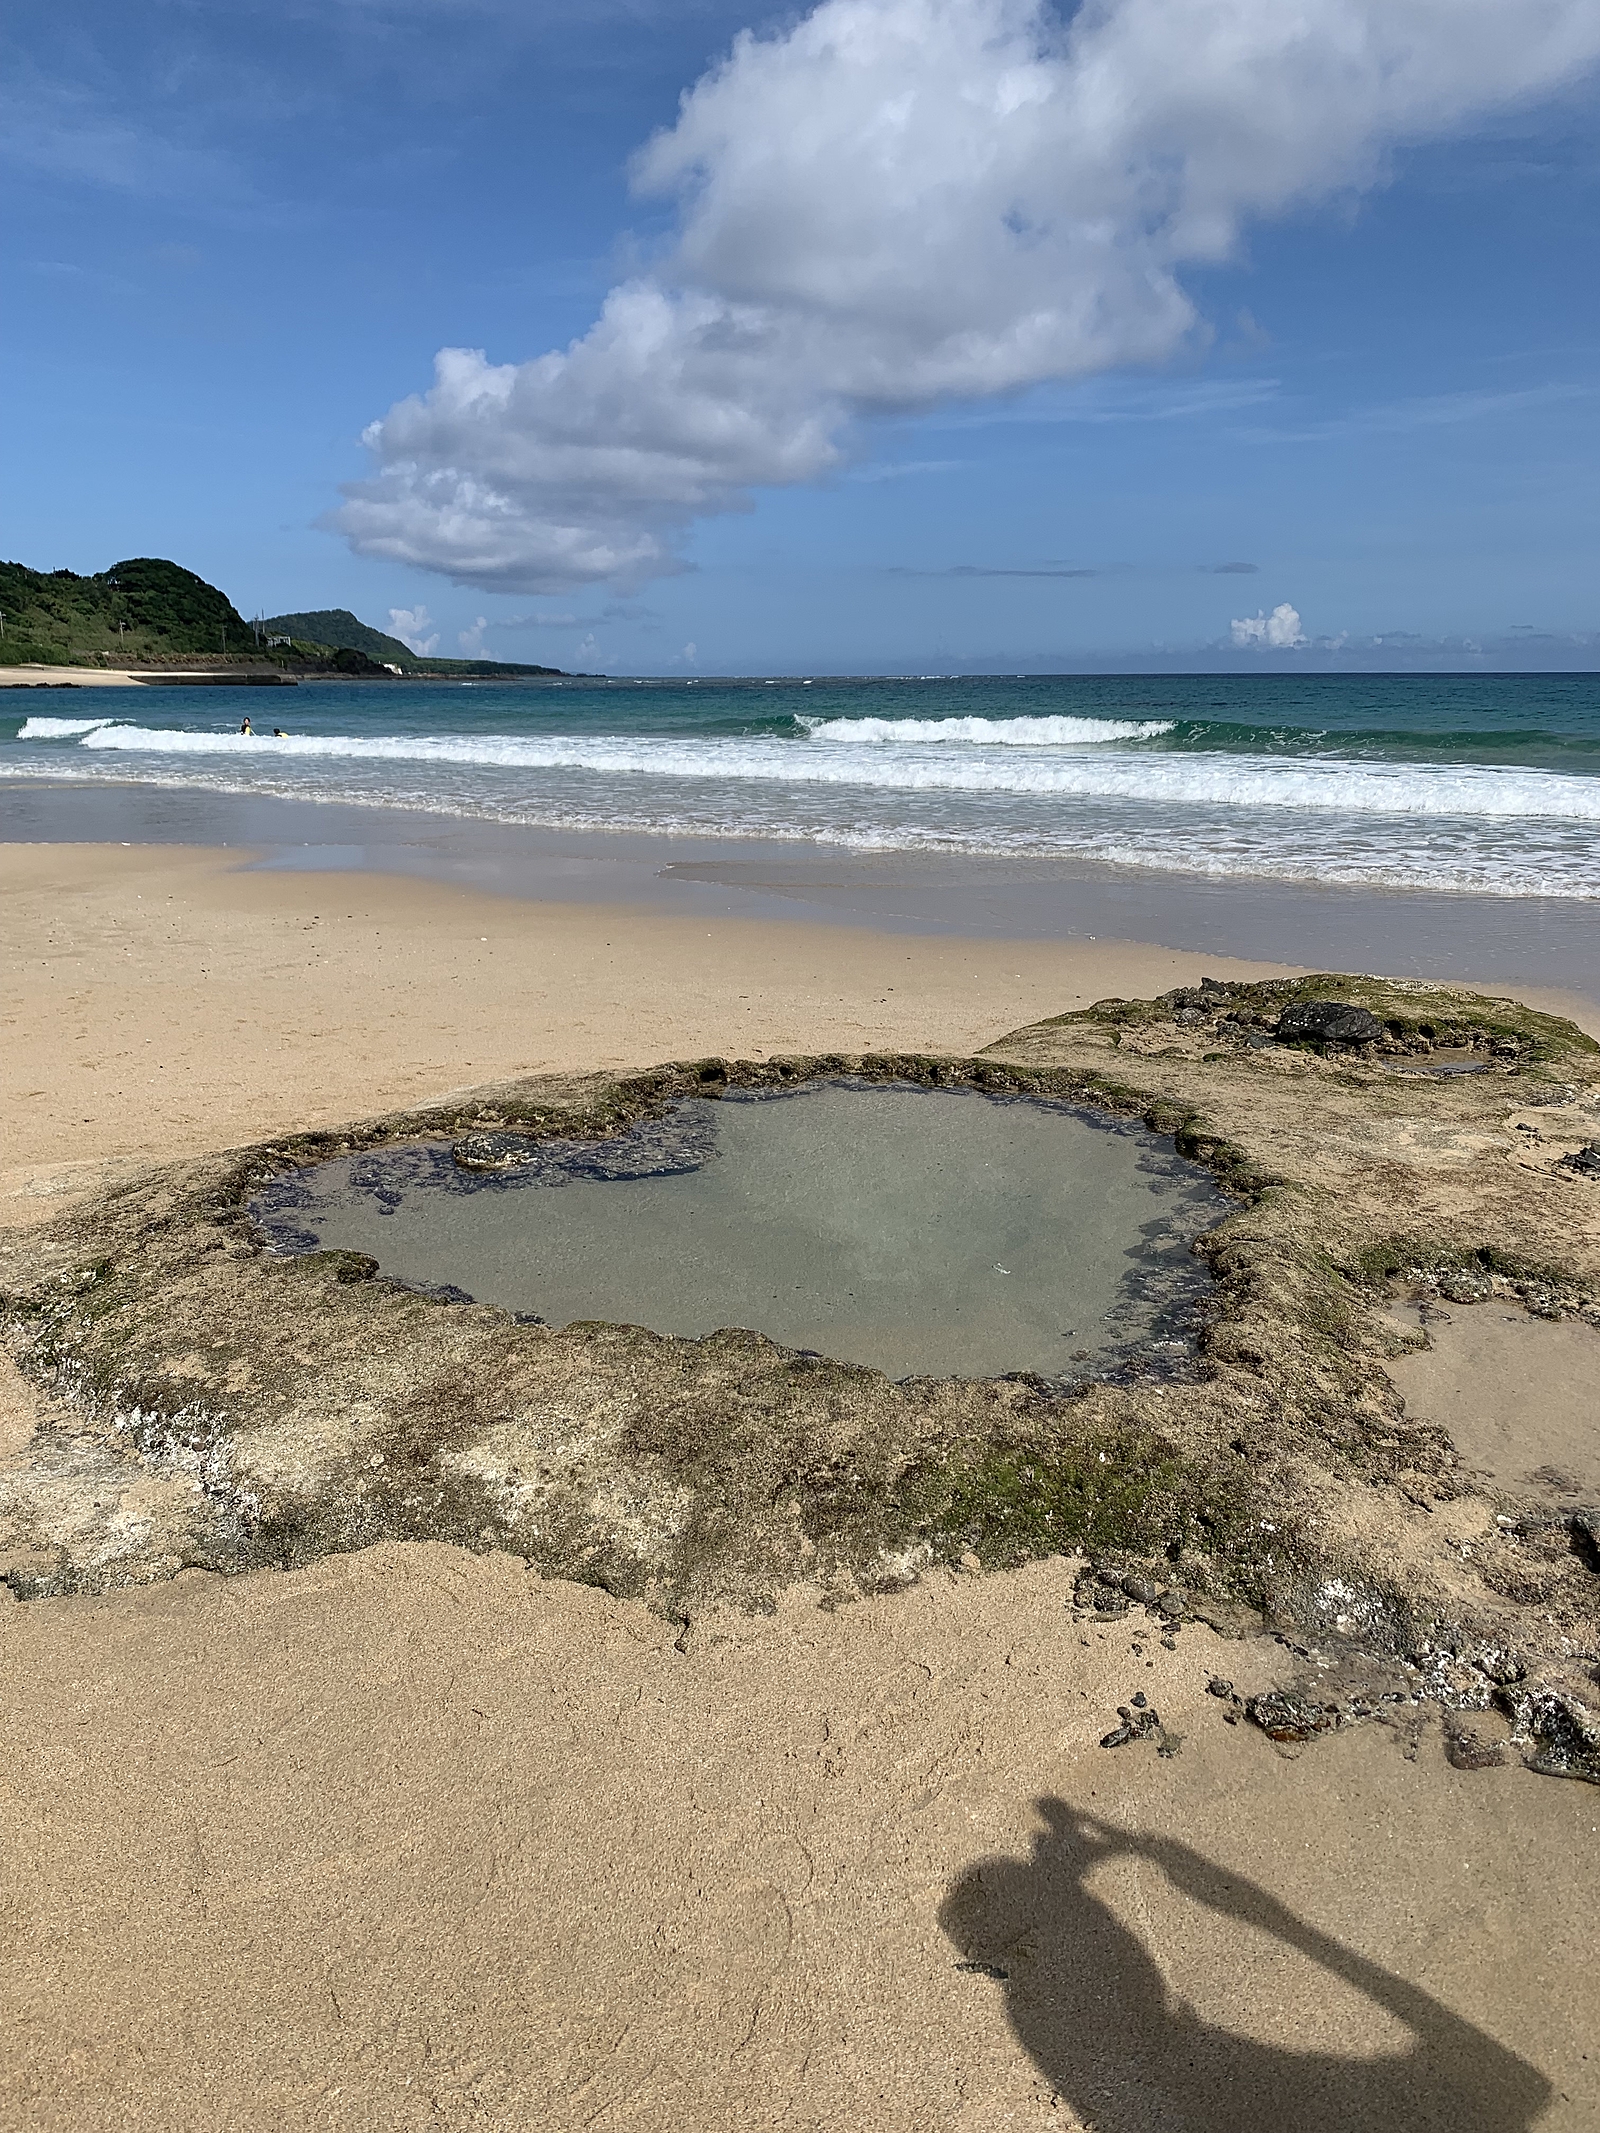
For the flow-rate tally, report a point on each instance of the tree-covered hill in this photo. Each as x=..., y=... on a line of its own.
x=140, y=609
x=147, y=612
x=342, y=631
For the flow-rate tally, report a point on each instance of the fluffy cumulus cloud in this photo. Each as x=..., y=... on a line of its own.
x=1278, y=632
x=897, y=203
x=414, y=627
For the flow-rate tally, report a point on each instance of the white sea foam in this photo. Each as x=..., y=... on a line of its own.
x=986, y=732
x=1329, y=785
x=1513, y=857
x=57, y=729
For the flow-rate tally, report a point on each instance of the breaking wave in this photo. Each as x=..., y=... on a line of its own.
x=57, y=729
x=985, y=732
x=1329, y=784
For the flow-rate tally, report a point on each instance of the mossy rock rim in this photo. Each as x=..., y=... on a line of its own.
x=1406, y=1006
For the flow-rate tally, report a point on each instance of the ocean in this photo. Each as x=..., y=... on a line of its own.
x=1481, y=784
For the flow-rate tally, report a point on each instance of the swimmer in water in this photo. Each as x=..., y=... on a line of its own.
x=246, y=727
x=278, y=734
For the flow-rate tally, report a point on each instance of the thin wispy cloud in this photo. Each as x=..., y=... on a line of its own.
x=1003, y=570
x=902, y=469
x=1116, y=400
x=1431, y=411
x=1230, y=570
x=893, y=206
x=75, y=136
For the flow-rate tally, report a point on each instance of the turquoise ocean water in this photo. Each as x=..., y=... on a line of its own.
x=1485, y=784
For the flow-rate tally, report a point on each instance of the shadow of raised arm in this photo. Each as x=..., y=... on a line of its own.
x=1091, y=2003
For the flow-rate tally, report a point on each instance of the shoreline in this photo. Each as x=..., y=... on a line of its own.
x=168, y=1000
x=1542, y=949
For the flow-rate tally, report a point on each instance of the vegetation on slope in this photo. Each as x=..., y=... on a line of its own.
x=149, y=612
x=339, y=630
x=141, y=609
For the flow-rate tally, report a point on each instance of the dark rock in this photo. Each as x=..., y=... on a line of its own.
x=1136, y=1725
x=1327, y=1022
x=1558, y=1734
x=498, y=1151
x=684, y=1140
x=1244, y=1029
x=1100, y=1595
x=1584, y=1528
x=1466, y=1285
x=1582, y=1162
x=1284, y=1715
x=1218, y=1687
x=1140, y=1588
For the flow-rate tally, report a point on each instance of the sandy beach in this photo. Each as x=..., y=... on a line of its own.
x=415, y=1837
x=164, y=1001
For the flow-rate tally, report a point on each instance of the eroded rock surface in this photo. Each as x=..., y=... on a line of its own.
x=207, y=1401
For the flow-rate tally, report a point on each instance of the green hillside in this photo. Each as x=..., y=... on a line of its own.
x=337, y=628
x=146, y=612
x=140, y=609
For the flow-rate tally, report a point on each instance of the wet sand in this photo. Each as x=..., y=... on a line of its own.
x=1520, y=1398
x=1533, y=946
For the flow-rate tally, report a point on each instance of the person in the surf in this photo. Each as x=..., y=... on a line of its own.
x=278, y=734
x=246, y=727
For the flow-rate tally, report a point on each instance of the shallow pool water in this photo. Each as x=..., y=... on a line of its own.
x=928, y=1232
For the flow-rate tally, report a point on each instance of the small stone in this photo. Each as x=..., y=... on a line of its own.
x=1141, y=1700
x=1285, y=1716
x=1135, y=1726
x=969, y=1562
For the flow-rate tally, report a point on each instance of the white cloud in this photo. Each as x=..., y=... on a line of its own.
x=1278, y=632
x=408, y=624
x=897, y=203
x=592, y=659
x=471, y=641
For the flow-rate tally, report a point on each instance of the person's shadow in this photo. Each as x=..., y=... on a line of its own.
x=1096, y=2016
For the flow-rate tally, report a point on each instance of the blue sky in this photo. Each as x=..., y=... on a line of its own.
x=237, y=235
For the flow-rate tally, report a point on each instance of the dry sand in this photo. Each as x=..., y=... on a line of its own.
x=160, y=1001
x=30, y=676
x=413, y=1838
